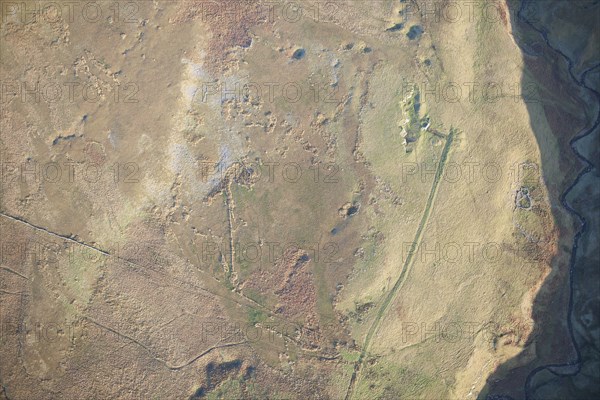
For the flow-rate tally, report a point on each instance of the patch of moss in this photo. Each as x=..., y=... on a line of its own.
x=256, y=316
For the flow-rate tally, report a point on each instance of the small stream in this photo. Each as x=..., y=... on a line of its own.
x=553, y=368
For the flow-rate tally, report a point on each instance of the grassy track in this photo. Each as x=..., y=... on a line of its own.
x=406, y=267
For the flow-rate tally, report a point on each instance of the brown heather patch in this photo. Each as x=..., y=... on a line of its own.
x=229, y=25
x=293, y=283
